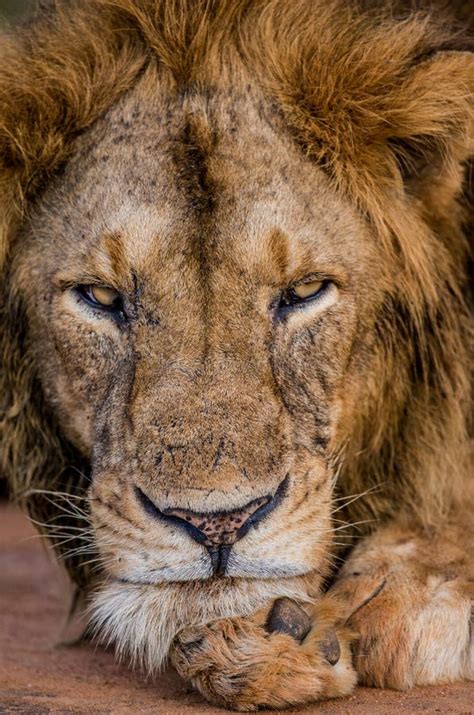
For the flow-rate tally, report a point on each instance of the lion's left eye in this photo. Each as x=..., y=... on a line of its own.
x=101, y=297
x=303, y=292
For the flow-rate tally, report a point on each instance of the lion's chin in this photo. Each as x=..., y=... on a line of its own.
x=143, y=620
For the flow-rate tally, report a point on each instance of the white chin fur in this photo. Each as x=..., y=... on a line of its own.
x=143, y=620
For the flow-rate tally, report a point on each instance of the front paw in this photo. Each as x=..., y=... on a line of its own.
x=271, y=660
x=412, y=620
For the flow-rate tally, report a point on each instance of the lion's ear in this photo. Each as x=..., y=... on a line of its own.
x=431, y=125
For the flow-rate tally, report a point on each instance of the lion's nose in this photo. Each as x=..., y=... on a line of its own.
x=220, y=528
x=217, y=531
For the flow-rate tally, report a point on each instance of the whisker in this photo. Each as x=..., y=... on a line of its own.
x=51, y=525
x=354, y=497
x=59, y=520
x=80, y=473
x=55, y=544
x=76, y=513
x=50, y=492
x=349, y=525
x=91, y=548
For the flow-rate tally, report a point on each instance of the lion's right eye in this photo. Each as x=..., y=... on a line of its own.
x=303, y=292
x=102, y=297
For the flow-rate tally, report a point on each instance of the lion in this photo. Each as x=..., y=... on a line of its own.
x=235, y=334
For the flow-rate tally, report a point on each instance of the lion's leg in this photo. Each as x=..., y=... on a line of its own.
x=407, y=596
x=411, y=596
x=247, y=663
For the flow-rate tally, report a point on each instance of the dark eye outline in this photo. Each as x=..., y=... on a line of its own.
x=289, y=298
x=85, y=293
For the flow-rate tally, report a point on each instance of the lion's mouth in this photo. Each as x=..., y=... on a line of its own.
x=235, y=569
x=220, y=558
x=217, y=531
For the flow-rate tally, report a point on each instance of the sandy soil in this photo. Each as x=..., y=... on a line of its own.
x=38, y=676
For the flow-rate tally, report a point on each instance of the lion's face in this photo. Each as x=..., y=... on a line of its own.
x=233, y=270
x=202, y=301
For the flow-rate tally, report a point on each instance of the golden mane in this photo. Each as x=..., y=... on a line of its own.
x=367, y=98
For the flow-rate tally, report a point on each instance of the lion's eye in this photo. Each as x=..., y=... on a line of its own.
x=307, y=290
x=303, y=292
x=101, y=297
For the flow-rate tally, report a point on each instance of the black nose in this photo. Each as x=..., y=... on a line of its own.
x=217, y=531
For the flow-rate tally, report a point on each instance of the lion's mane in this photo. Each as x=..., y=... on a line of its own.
x=348, y=84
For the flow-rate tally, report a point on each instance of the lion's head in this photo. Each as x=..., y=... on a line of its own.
x=234, y=276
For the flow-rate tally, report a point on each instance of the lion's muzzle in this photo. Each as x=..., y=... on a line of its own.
x=217, y=531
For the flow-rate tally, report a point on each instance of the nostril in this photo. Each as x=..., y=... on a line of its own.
x=156, y=513
x=218, y=528
x=268, y=506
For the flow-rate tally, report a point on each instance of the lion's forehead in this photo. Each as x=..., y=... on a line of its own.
x=169, y=177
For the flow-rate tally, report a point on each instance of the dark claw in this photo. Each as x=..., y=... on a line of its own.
x=330, y=648
x=287, y=617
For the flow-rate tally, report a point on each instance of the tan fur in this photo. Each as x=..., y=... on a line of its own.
x=200, y=162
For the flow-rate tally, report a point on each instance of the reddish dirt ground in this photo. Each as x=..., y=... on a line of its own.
x=38, y=676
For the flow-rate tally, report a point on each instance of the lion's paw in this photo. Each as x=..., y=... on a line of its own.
x=413, y=622
x=271, y=660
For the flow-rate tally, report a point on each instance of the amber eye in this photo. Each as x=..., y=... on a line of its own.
x=303, y=292
x=307, y=290
x=101, y=297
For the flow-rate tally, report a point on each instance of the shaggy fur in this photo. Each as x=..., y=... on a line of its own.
x=383, y=105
